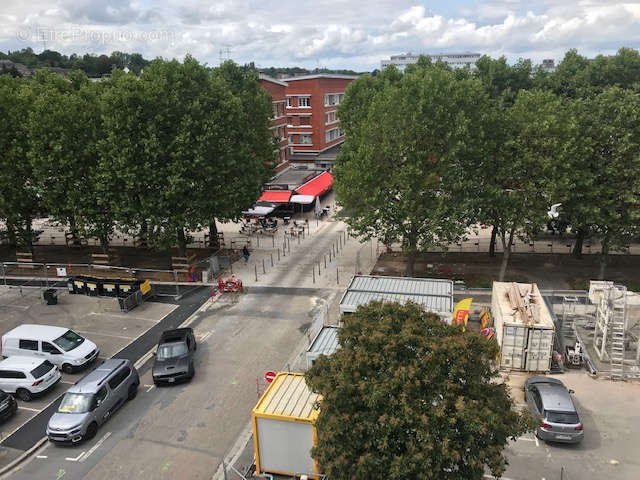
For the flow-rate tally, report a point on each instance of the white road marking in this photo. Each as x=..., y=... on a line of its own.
x=537, y=442
x=494, y=478
x=149, y=387
x=203, y=338
x=30, y=409
x=123, y=337
x=42, y=456
x=143, y=359
x=96, y=446
x=72, y=459
x=527, y=439
x=67, y=382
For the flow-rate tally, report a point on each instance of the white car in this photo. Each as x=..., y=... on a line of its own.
x=27, y=376
x=61, y=346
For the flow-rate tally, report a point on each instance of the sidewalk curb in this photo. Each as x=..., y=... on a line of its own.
x=11, y=466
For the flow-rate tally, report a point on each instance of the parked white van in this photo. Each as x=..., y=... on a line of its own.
x=61, y=346
x=27, y=376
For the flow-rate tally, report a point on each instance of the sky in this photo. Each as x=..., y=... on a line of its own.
x=320, y=33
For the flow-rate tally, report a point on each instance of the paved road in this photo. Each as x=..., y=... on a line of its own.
x=185, y=431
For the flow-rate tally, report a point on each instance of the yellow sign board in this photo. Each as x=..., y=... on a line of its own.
x=461, y=312
x=145, y=287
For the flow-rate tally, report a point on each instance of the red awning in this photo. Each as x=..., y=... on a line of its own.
x=275, y=196
x=316, y=186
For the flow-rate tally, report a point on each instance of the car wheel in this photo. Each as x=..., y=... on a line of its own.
x=23, y=394
x=133, y=391
x=192, y=372
x=66, y=368
x=92, y=429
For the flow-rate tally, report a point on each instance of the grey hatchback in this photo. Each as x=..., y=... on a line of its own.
x=550, y=402
x=92, y=401
x=174, y=356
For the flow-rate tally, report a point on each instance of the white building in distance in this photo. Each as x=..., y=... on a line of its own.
x=455, y=60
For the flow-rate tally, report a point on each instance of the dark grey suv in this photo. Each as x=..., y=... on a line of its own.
x=174, y=356
x=551, y=404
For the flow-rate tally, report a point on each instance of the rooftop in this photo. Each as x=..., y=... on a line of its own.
x=326, y=341
x=320, y=75
x=267, y=78
x=294, y=177
x=288, y=396
x=434, y=294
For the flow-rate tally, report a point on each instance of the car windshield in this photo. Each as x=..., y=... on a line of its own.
x=42, y=369
x=75, y=403
x=69, y=340
x=171, y=350
x=570, y=418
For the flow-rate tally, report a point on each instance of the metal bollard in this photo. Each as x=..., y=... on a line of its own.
x=263, y=269
x=271, y=255
x=325, y=260
x=337, y=277
x=273, y=240
x=314, y=273
x=255, y=267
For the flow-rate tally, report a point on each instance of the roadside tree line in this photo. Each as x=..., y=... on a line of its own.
x=155, y=155
x=431, y=151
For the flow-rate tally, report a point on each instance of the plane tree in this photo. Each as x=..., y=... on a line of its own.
x=408, y=396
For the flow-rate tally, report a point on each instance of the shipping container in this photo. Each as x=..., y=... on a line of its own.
x=524, y=327
x=284, y=429
x=324, y=343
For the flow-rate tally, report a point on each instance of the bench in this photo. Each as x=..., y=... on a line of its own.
x=24, y=260
x=182, y=263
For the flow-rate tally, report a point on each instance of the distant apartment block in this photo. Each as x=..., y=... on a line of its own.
x=277, y=90
x=305, y=119
x=455, y=60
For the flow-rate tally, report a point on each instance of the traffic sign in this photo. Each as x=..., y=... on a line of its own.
x=269, y=376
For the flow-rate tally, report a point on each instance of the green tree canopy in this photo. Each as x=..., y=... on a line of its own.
x=397, y=172
x=407, y=396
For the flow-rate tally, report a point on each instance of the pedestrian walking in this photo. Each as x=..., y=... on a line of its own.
x=245, y=254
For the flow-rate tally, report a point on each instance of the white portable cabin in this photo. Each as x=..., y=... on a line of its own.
x=324, y=343
x=524, y=327
x=433, y=294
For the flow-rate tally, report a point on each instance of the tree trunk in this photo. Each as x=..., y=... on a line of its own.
x=506, y=247
x=104, y=242
x=492, y=243
x=213, y=235
x=182, y=242
x=11, y=234
x=29, y=234
x=604, y=254
x=144, y=227
x=577, y=248
x=74, y=231
x=411, y=254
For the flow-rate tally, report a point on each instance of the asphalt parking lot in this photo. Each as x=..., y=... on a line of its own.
x=98, y=319
x=611, y=418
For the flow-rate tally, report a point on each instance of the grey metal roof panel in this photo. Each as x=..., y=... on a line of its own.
x=352, y=300
x=326, y=342
x=434, y=294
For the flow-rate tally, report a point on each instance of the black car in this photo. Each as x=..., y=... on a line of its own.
x=174, y=356
x=8, y=405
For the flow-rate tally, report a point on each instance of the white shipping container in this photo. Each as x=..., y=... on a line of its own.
x=526, y=343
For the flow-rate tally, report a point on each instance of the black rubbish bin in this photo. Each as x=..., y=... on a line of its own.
x=51, y=296
x=71, y=286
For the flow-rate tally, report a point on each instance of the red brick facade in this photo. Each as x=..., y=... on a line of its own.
x=312, y=102
x=276, y=89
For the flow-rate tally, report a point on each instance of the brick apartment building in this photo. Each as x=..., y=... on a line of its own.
x=277, y=90
x=305, y=116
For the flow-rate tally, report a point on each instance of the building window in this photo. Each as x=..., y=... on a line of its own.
x=291, y=139
x=289, y=121
x=305, y=140
x=275, y=110
x=304, y=101
x=340, y=97
x=305, y=120
x=333, y=134
x=330, y=117
x=289, y=102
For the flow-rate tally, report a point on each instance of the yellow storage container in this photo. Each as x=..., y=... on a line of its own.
x=284, y=427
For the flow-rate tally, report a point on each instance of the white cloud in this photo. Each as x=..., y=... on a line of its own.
x=328, y=33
